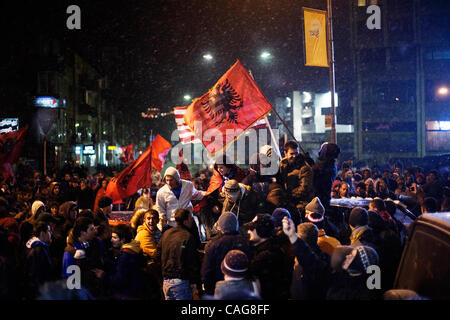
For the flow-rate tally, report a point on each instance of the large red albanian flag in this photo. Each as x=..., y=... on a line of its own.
x=234, y=103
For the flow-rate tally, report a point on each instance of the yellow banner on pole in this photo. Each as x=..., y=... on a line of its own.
x=315, y=37
x=328, y=121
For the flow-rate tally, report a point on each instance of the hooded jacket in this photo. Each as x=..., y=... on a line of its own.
x=148, y=240
x=167, y=202
x=64, y=211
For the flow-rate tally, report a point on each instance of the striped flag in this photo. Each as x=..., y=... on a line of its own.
x=187, y=135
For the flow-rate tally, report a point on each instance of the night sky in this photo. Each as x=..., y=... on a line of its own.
x=152, y=50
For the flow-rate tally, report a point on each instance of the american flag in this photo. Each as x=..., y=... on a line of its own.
x=187, y=135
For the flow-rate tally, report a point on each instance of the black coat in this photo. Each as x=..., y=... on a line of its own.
x=268, y=265
x=38, y=268
x=215, y=251
x=339, y=285
x=86, y=199
x=128, y=280
x=324, y=172
x=178, y=256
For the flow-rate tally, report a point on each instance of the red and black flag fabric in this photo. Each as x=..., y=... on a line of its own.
x=234, y=104
x=127, y=154
x=11, y=144
x=138, y=174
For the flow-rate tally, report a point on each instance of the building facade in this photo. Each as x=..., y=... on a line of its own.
x=402, y=77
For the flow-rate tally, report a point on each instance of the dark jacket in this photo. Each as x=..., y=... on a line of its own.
x=339, y=285
x=93, y=259
x=64, y=212
x=297, y=181
x=309, y=285
x=268, y=265
x=38, y=266
x=325, y=172
x=86, y=199
x=178, y=256
x=215, y=251
x=128, y=279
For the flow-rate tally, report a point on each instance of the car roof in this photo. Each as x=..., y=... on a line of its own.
x=440, y=219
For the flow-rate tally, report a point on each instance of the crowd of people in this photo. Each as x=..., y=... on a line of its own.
x=225, y=232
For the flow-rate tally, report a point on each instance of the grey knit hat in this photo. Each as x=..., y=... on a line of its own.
x=315, y=210
x=228, y=222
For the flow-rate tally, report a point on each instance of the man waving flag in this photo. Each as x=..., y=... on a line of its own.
x=233, y=105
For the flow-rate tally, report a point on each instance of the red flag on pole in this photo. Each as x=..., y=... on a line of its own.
x=11, y=144
x=187, y=134
x=235, y=102
x=160, y=149
x=138, y=173
x=127, y=154
x=112, y=190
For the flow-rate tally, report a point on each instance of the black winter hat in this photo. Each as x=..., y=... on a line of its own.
x=278, y=214
x=104, y=201
x=263, y=225
x=358, y=217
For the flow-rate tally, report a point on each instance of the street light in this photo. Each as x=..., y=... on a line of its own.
x=187, y=97
x=443, y=91
x=207, y=57
x=265, y=55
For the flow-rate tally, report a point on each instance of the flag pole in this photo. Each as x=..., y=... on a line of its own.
x=331, y=66
x=273, y=137
x=151, y=164
x=287, y=128
x=282, y=121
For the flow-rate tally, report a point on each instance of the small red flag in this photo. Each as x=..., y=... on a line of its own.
x=11, y=144
x=234, y=103
x=127, y=154
x=113, y=191
x=160, y=149
x=138, y=173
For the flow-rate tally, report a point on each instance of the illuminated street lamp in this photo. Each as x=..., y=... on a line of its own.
x=443, y=91
x=265, y=55
x=207, y=57
x=187, y=97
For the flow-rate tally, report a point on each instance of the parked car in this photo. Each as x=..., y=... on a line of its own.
x=424, y=269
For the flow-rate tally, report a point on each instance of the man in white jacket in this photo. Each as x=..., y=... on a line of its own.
x=175, y=194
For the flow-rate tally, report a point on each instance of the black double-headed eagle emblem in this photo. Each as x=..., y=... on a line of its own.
x=222, y=104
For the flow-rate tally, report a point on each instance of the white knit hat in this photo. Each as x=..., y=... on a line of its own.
x=171, y=171
x=35, y=207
